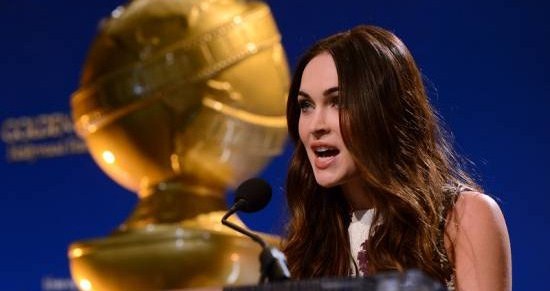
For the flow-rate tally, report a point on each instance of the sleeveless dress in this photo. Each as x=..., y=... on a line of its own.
x=359, y=229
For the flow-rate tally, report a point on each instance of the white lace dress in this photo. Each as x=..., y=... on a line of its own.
x=358, y=231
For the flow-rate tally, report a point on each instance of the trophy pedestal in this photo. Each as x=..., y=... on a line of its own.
x=161, y=257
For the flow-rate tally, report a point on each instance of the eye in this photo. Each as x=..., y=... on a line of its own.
x=304, y=104
x=334, y=101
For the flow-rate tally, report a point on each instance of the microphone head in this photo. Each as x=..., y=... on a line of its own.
x=256, y=192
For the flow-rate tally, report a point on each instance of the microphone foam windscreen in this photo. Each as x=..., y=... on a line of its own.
x=256, y=192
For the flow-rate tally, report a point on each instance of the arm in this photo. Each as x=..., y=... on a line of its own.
x=478, y=239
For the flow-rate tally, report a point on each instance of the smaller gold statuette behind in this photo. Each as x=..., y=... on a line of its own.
x=179, y=100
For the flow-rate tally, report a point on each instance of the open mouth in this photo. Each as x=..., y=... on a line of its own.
x=325, y=152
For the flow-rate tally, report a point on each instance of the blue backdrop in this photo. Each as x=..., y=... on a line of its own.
x=486, y=63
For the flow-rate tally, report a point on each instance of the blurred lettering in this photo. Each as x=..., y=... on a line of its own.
x=29, y=128
x=57, y=284
x=50, y=135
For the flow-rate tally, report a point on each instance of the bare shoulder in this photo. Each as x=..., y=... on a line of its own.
x=475, y=209
x=476, y=216
x=479, y=241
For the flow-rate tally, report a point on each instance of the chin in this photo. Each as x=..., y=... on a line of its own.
x=327, y=183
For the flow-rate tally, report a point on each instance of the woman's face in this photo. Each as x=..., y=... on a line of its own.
x=319, y=123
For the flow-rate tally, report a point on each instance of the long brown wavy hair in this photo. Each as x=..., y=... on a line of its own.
x=402, y=155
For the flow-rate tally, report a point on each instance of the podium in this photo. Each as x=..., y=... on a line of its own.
x=413, y=280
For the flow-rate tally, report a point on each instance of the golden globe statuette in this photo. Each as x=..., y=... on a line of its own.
x=179, y=100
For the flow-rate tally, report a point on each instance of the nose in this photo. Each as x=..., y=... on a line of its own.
x=319, y=126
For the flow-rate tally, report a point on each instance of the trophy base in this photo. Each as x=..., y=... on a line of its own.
x=159, y=257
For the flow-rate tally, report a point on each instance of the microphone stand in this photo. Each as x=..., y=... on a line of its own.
x=272, y=261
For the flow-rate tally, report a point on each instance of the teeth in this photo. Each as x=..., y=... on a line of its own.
x=324, y=151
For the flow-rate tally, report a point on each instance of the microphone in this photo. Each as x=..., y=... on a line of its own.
x=251, y=196
x=255, y=193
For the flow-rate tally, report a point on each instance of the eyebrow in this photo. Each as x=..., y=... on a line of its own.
x=327, y=92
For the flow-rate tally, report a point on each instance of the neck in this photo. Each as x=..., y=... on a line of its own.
x=356, y=195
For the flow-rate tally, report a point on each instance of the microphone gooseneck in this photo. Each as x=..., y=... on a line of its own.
x=236, y=207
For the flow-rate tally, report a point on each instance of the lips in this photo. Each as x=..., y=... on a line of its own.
x=324, y=155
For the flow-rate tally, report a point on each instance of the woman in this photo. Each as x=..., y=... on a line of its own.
x=373, y=185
